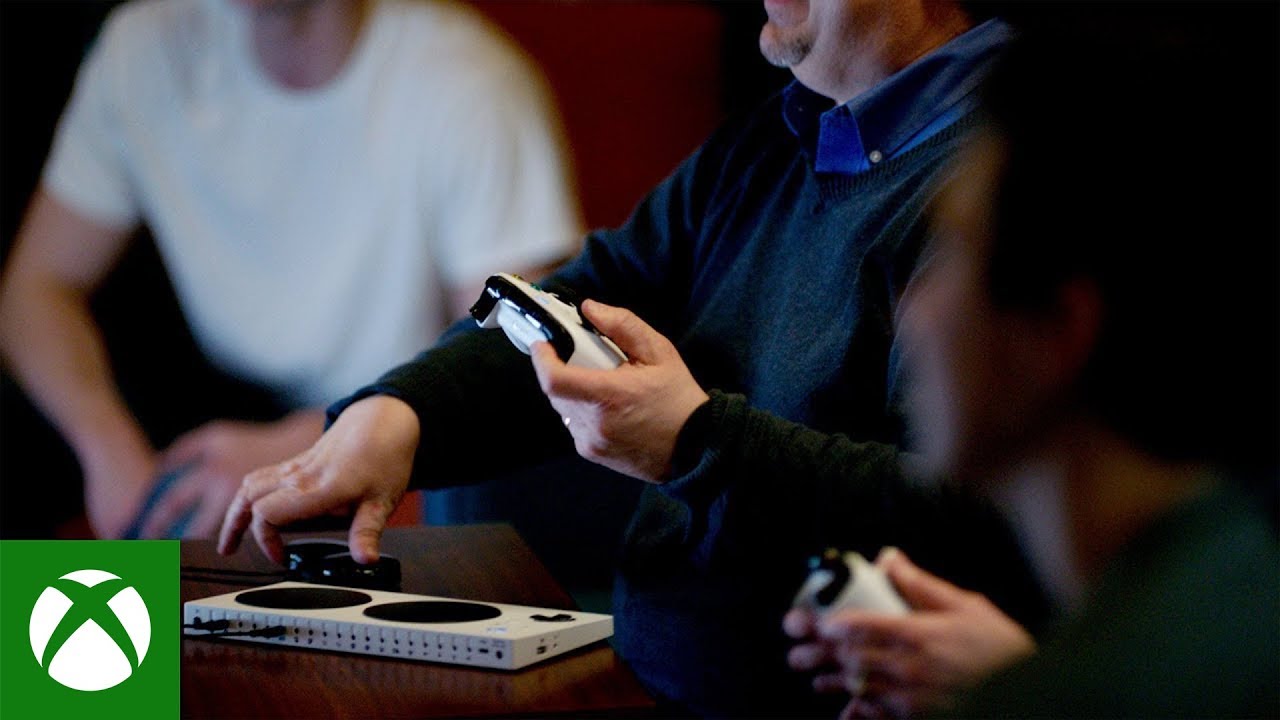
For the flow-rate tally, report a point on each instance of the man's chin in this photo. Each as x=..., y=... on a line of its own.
x=783, y=49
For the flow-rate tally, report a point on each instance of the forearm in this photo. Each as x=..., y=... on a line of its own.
x=478, y=405
x=53, y=348
x=736, y=464
x=744, y=470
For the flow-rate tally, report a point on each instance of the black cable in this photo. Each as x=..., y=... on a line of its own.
x=222, y=580
x=229, y=571
x=227, y=576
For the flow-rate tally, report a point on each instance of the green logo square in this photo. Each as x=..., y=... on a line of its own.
x=89, y=628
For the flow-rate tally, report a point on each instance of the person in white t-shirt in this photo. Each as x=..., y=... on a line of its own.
x=327, y=182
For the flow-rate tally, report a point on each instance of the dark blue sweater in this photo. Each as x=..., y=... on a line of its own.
x=778, y=285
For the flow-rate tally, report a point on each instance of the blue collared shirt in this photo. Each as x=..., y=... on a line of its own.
x=906, y=109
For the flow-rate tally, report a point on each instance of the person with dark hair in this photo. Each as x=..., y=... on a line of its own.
x=1094, y=345
x=773, y=258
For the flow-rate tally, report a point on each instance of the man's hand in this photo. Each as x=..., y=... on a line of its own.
x=628, y=418
x=903, y=665
x=216, y=457
x=361, y=466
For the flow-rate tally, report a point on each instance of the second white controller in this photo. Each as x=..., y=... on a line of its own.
x=846, y=580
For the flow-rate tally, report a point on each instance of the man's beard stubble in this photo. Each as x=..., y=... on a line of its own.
x=783, y=50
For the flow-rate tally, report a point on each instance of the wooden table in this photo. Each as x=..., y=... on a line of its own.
x=226, y=679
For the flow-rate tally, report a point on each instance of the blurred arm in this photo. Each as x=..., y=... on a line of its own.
x=54, y=348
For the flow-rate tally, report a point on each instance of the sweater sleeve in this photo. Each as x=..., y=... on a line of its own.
x=777, y=489
x=732, y=460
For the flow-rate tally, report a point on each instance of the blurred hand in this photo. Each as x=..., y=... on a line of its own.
x=359, y=467
x=117, y=475
x=897, y=666
x=216, y=457
x=628, y=418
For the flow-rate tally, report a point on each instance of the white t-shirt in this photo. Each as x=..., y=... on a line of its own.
x=311, y=235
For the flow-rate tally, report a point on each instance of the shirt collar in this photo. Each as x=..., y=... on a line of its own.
x=895, y=115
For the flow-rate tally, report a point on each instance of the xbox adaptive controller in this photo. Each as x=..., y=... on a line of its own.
x=846, y=580
x=528, y=314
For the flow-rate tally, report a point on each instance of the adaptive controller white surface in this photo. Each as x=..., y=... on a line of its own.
x=528, y=314
x=838, y=581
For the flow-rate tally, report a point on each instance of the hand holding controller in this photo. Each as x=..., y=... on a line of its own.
x=846, y=580
x=527, y=314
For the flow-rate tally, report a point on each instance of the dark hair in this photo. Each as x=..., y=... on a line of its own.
x=1141, y=155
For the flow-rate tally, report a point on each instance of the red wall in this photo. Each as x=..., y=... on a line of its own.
x=638, y=86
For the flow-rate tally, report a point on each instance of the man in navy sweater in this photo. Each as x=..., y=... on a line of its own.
x=773, y=259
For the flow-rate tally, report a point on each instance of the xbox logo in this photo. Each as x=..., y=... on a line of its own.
x=89, y=630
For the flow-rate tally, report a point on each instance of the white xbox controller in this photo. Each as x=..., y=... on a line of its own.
x=528, y=314
x=846, y=580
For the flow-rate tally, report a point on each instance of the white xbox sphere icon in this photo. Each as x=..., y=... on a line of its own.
x=89, y=637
